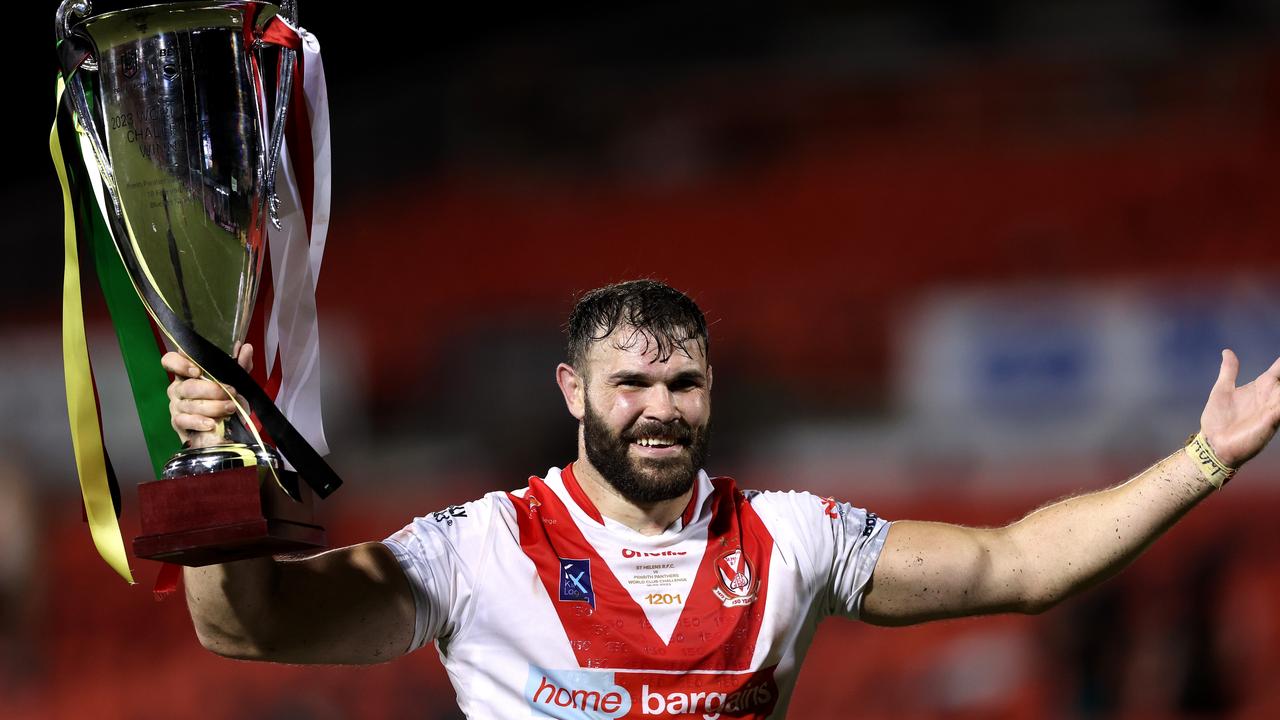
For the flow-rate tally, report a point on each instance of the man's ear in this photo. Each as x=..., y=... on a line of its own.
x=574, y=388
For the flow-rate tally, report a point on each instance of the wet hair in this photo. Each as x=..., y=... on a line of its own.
x=658, y=315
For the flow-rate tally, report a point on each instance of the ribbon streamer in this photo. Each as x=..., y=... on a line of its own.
x=292, y=332
x=86, y=430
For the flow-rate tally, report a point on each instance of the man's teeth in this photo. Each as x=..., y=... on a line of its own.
x=654, y=442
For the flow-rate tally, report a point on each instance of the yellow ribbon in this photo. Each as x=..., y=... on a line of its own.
x=82, y=412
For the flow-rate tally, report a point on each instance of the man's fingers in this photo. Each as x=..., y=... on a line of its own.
x=179, y=365
x=1230, y=366
x=200, y=390
x=193, y=423
x=244, y=356
x=206, y=408
x=196, y=404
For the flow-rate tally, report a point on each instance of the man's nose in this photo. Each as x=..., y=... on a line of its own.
x=660, y=404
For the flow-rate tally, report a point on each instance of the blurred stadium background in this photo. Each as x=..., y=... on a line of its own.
x=960, y=259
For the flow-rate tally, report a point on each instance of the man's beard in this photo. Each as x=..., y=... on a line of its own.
x=648, y=480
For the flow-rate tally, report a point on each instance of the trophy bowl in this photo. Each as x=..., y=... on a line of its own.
x=173, y=105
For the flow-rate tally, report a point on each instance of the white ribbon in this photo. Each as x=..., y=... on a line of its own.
x=292, y=328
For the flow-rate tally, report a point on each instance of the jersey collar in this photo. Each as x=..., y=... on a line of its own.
x=580, y=498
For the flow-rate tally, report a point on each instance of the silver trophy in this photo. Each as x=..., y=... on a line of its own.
x=173, y=99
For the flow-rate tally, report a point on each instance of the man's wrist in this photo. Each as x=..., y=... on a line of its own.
x=1214, y=470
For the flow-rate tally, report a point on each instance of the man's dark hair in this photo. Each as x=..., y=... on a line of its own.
x=659, y=315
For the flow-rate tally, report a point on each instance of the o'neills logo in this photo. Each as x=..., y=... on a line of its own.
x=738, y=584
x=605, y=694
x=628, y=553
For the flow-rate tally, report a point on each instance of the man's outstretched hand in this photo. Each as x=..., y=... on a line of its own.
x=198, y=405
x=1239, y=421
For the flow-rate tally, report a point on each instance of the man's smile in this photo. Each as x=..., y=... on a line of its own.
x=657, y=447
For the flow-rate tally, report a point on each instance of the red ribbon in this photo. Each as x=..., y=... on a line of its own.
x=167, y=581
x=278, y=32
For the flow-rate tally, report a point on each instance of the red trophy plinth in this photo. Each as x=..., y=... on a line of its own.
x=222, y=516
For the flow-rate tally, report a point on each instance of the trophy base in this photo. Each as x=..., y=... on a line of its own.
x=222, y=516
x=216, y=458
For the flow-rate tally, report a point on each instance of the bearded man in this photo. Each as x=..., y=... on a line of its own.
x=632, y=584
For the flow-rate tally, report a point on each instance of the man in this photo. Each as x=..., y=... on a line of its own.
x=631, y=584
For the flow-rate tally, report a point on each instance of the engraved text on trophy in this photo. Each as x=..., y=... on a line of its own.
x=183, y=135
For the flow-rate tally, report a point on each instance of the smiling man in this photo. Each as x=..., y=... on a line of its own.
x=645, y=420
x=631, y=584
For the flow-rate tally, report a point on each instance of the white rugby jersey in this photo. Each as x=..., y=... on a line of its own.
x=540, y=607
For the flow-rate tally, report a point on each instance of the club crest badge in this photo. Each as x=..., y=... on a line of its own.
x=738, y=584
x=129, y=64
x=575, y=582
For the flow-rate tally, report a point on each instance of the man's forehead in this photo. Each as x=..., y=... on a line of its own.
x=631, y=347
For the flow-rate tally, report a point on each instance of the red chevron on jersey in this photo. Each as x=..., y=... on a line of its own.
x=714, y=633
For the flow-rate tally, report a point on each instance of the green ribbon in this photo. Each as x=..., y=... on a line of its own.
x=138, y=343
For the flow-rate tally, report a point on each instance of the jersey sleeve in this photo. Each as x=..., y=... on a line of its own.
x=833, y=544
x=443, y=555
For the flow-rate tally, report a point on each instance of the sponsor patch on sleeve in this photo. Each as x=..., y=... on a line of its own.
x=448, y=514
x=869, y=526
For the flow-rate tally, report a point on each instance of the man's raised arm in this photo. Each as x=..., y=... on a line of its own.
x=352, y=605
x=346, y=606
x=929, y=571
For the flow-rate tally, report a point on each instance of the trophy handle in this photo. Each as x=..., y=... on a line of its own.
x=68, y=12
x=284, y=89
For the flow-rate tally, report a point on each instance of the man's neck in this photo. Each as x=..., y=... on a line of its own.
x=645, y=519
